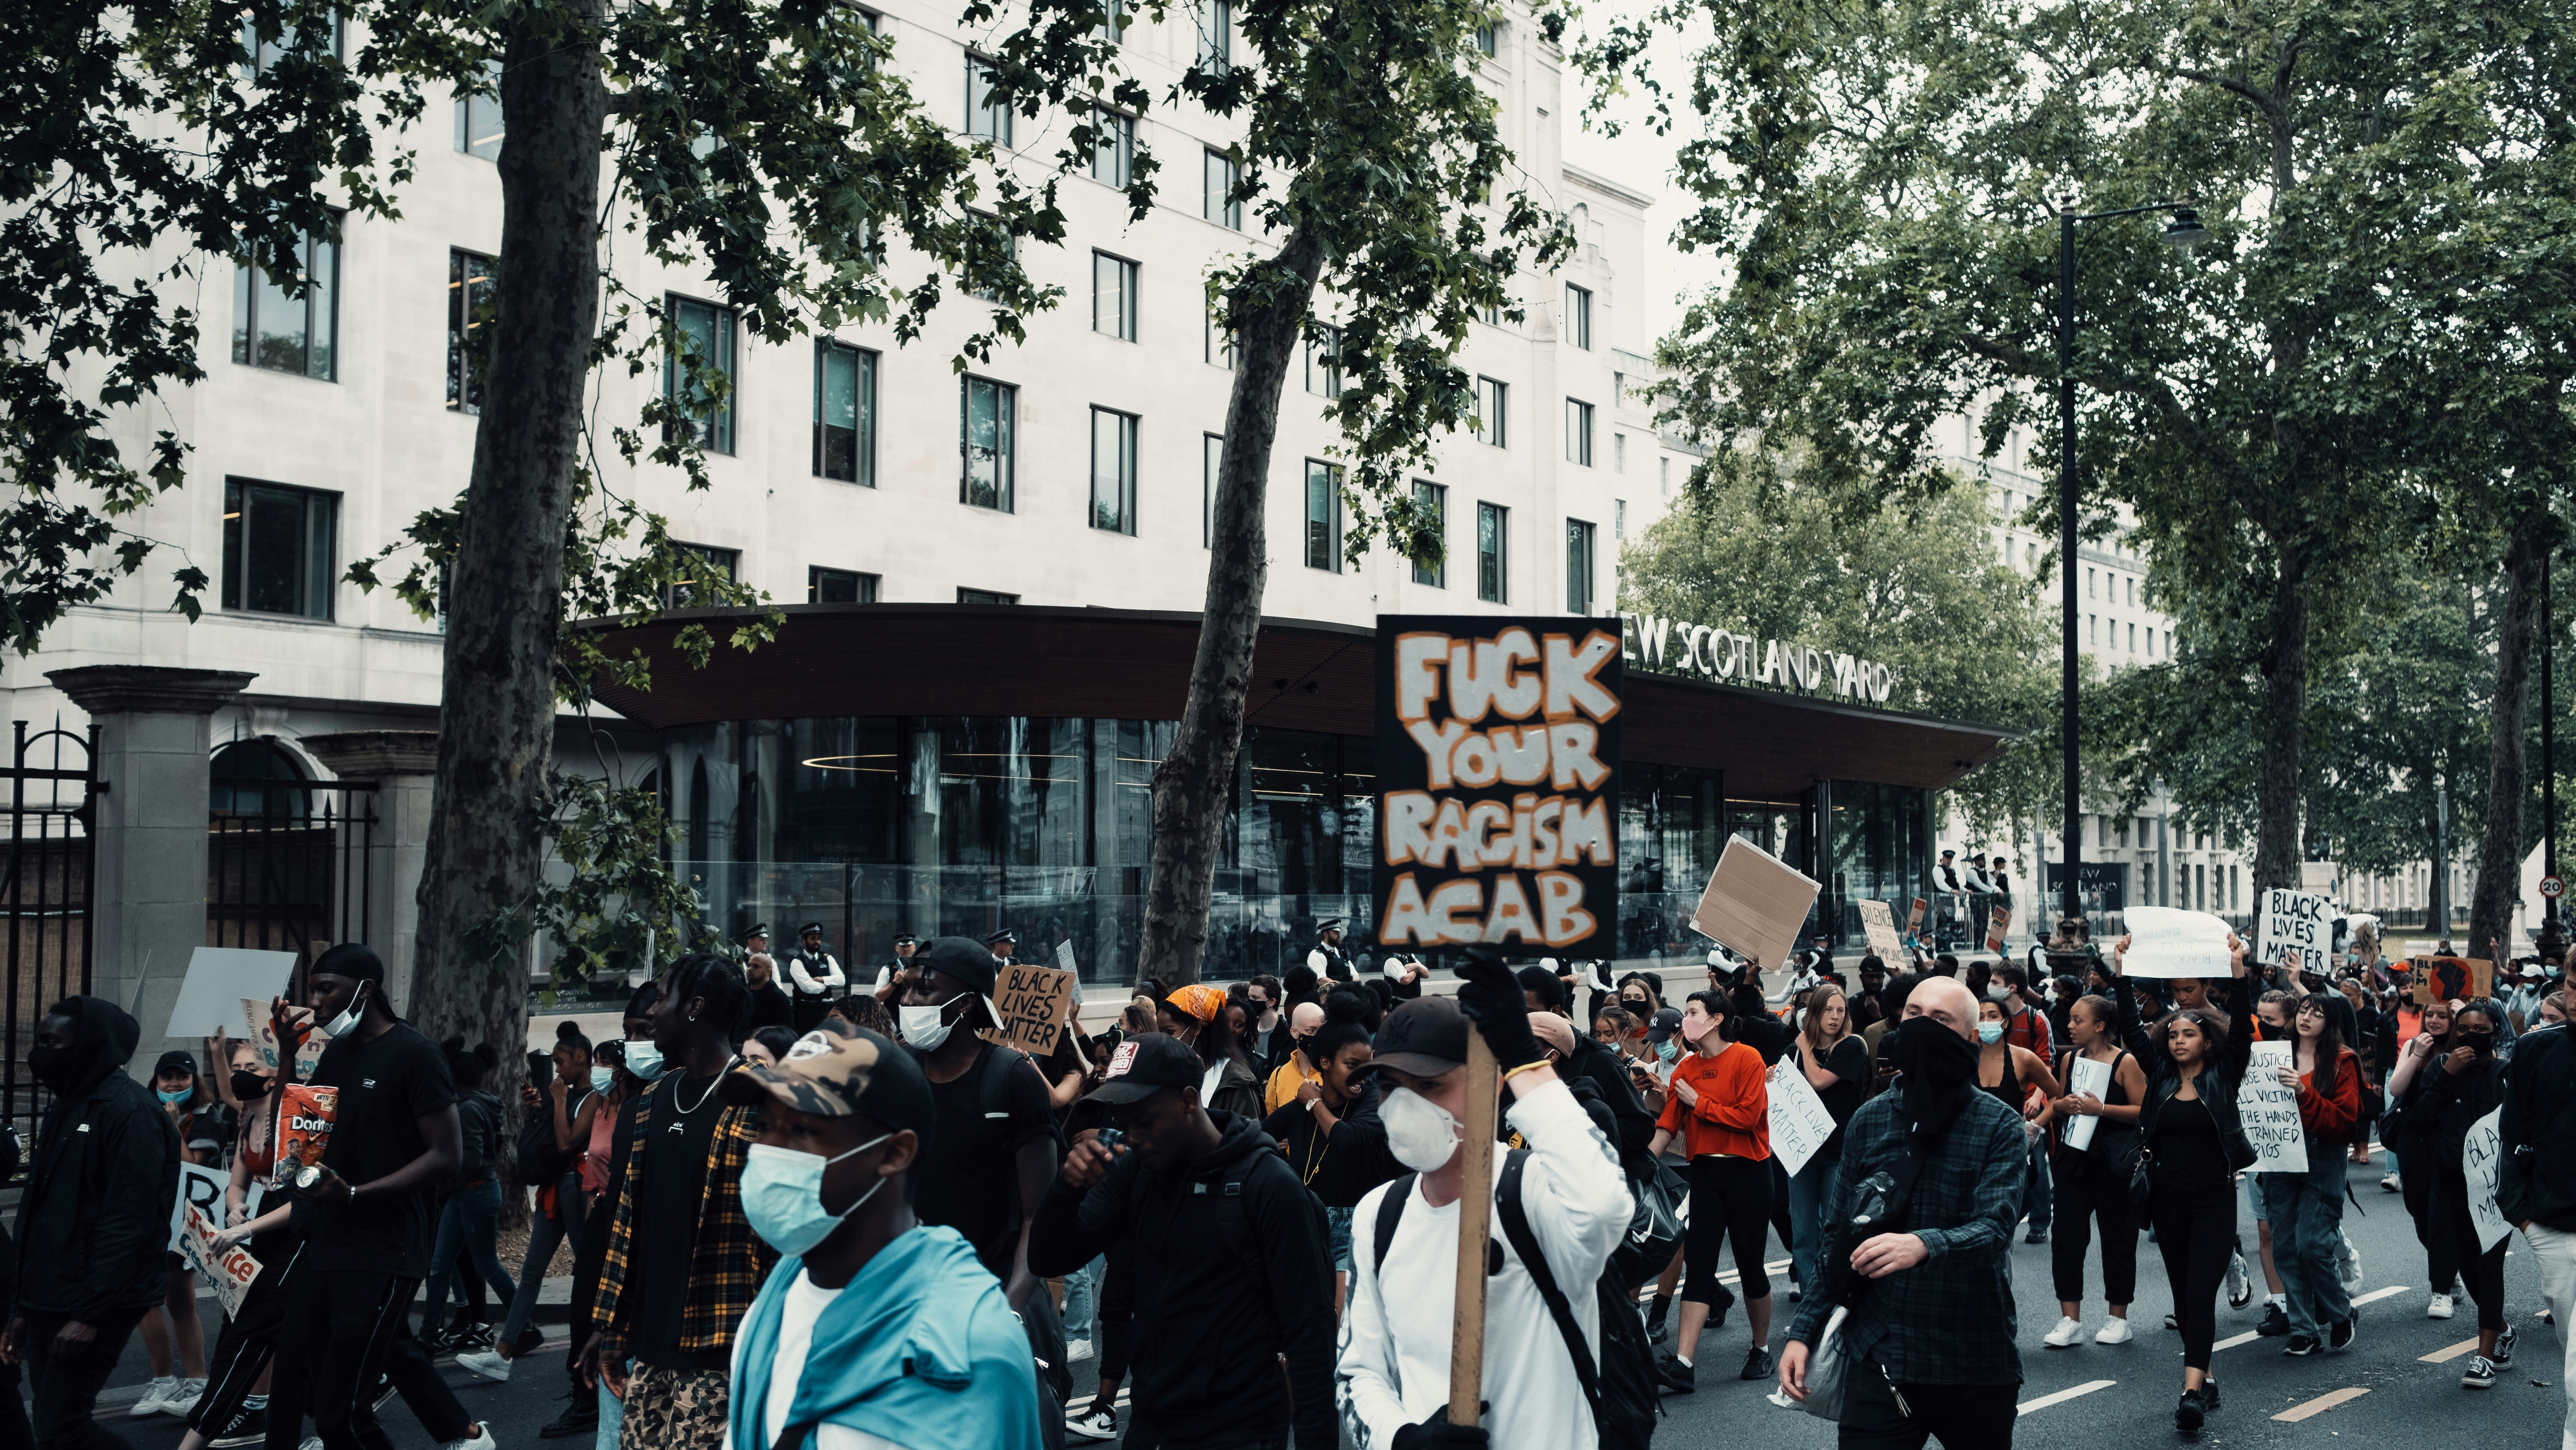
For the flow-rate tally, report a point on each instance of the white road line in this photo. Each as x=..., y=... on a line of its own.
x=2445, y=1356
x=2321, y=1404
x=2248, y=1337
x=2375, y=1295
x=2062, y=1396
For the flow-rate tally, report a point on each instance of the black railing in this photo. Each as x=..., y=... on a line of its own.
x=292, y=875
x=44, y=896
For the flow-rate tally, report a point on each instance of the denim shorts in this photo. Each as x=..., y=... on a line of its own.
x=1338, y=1220
x=2254, y=1198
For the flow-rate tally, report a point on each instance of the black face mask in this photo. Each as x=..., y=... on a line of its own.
x=1940, y=1069
x=248, y=1084
x=51, y=1064
x=2480, y=1043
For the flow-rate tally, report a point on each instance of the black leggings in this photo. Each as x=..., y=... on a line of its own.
x=2416, y=1190
x=247, y=1344
x=1729, y=1198
x=2454, y=1235
x=2087, y=1189
x=2196, y=1231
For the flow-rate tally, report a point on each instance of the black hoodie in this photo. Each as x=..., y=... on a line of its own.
x=94, y=1222
x=1225, y=1284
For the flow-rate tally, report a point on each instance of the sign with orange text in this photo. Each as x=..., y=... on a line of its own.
x=1498, y=783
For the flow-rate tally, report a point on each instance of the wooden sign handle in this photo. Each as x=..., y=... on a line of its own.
x=1475, y=1231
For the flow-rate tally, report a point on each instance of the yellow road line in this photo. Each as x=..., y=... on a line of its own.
x=2319, y=1405
x=2445, y=1356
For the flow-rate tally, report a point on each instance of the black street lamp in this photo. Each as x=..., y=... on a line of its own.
x=2553, y=931
x=2186, y=232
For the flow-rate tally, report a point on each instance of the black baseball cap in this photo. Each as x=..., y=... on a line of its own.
x=1145, y=1065
x=1668, y=1020
x=1425, y=1038
x=960, y=959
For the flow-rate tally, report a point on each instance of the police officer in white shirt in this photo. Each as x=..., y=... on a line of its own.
x=816, y=976
x=1326, y=959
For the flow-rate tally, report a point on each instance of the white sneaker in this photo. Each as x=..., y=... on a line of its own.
x=2438, y=1307
x=311, y=1442
x=183, y=1401
x=2240, y=1288
x=2114, y=1332
x=1077, y=1350
x=2065, y=1334
x=2348, y=1266
x=156, y=1397
x=482, y=1440
x=1093, y=1425
x=487, y=1363
x=2390, y=1184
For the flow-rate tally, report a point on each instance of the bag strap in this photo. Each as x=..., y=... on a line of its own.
x=1516, y=1228
x=1390, y=1210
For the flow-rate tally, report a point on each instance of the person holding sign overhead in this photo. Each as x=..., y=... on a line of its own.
x=2468, y=1085
x=1719, y=1106
x=2306, y=1209
x=2099, y=1114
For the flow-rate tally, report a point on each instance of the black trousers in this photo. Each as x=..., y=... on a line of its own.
x=1113, y=1337
x=2195, y=1231
x=1961, y=1417
x=66, y=1379
x=1730, y=1199
x=2087, y=1190
x=340, y=1328
x=246, y=1346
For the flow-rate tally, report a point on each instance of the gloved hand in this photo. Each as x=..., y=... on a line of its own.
x=1491, y=997
x=1436, y=1433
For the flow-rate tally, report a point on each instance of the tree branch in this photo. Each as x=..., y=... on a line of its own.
x=2261, y=101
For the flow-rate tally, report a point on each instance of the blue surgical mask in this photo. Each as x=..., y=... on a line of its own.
x=643, y=1059
x=174, y=1099
x=782, y=1196
x=1668, y=1050
x=602, y=1079
x=1990, y=1033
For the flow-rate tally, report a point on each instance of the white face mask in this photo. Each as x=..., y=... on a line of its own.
x=347, y=1022
x=924, y=1028
x=1419, y=1132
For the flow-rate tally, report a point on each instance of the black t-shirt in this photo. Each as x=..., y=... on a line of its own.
x=769, y=1008
x=1340, y=1170
x=676, y=1144
x=1849, y=1061
x=386, y=1087
x=969, y=1172
x=1766, y=1035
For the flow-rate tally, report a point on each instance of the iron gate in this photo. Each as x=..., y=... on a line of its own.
x=44, y=896
x=287, y=865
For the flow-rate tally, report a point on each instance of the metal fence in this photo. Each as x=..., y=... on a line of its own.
x=44, y=896
x=287, y=864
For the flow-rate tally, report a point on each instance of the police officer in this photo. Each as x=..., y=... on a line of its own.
x=754, y=941
x=1004, y=945
x=815, y=975
x=893, y=972
x=1326, y=959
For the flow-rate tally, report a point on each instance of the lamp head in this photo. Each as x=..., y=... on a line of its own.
x=2185, y=230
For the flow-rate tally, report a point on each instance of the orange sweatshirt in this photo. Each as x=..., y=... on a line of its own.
x=1733, y=1114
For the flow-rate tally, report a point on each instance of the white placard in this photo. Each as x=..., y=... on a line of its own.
x=1799, y=1123
x=2168, y=942
x=2296, y=921
x=2084, y=1075
x=218, y=979
x=201, y=1187
x=229, y=1270
x=2481, y=1154
x=2270, y=1112
x=1879, y=925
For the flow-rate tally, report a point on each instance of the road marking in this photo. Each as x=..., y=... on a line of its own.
x=2375, y=1295
x=2062, y=1396
x=2248, y=1337
x=2445, y=1356
x=2320, y=1404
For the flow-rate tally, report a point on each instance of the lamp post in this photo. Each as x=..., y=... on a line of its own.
x=2186, y=232
x=2553, y=931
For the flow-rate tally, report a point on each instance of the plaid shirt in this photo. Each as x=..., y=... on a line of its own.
x=1948, y=1320
x=726, y=1263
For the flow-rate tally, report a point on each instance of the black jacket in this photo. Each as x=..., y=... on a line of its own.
x=1226, y=1283
x=1634, y=1127
x=95, y=1219
x=2445, y=1108
x=2222, y=1070
x=478, y=1119
x=2540, y=1111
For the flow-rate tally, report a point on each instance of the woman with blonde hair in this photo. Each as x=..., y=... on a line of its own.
x=1836, y=1064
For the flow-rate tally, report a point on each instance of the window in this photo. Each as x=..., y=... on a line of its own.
x=1220, y=343
x=1493, y=536
x=1113, y=150
x=2088, y=584
x=1578, y=432
x=839, y=586
x=1119, y=15
x=1323, y=516
x=1491, y=314
x=1491, y=396
x=1485, y=38
x=478, y=116
x=1113, y=471
x=1619, y=452
x=1324, y=363
x=986, y=115
x=990, y=249
x=1578, y=316
x=2133, y=639
x=279, y=553
x=259, y=55
x=1217, y=201
x=985, y=596
x=1431, y=503
x=699, y=563
x=287, y=332
x=1619, y=518
x=697, y=369
x=1216, y=32
x=1211, y=458
x=1664, y=477
x=984, y=442
x=1578, y=567
x=1113, y=296
x=469, y=322
x=845, y=413
x=2131, y=585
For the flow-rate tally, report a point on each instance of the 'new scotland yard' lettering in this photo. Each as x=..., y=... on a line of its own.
x=1498, y=782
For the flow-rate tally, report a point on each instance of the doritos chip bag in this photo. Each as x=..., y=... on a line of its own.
x=304, y=1127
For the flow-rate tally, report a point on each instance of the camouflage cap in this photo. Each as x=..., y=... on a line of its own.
x=837, y=1070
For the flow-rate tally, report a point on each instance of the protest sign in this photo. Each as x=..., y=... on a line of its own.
x=217, y=978
x=2084, y=1075
x=1914, y=918
x=230, y=1270
x=2270, y=1112
x=2165, y=941
x=2481, y=1154
x=1754, y=903
x=2451, y=979
x=1033, y=1003
x=2296, y=921
x=1998, y=926
x=1879, y=925
x=1799, y=1123
x=199, y=1187
x=1498, y=783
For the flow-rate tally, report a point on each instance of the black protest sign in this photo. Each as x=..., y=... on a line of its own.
x=1498, y=783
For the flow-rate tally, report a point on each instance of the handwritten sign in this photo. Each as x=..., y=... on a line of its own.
x=2481, y=1155
x=2448, y=979
x=230, y=1270
x=2299, y=922
x=2270, y=1112
x=1998, y=926
x=1033, y=1003
x=201, y=1188
x=2084, y=1075
x=2168, y=942
x=1755, y=903
x=1799, y=1123
x=1879, y=925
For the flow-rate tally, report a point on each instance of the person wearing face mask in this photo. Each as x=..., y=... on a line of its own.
x=174, y=1325
x=2306, y=1209
x=2467, y=1084
x=876, y=1330
x=1331, y=1133
x=93, y=1219
x=2010, y=1071
x=589, y=1408
x=555, y=1133
x=233, y=1411
x=1719, y=1106
x=2423, y=1052
x=1300, y=1066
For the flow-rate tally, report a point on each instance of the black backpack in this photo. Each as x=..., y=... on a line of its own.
x=1621, y=1387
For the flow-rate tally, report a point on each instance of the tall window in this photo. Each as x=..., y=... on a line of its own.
x=469, y=328
x=990, y=250
x=1431, y=503
x=478, y=116
x=1619, y=518
x=698, y=355
x=1578, y=316
x=1113, y=296
x=985, y=443
x=839, y=586
x=1578, y=432
x=1217, y=200
x=1211, y=458
x=1578, y=567
x=986, y=115
x=291, y=326
x=1491, y=396
x=1113, y=150
x=279, y=548
x=1619, y=452
x=701, y=563
x=1324, y=364
x=845, y=413
x=1323, y=516
x=1216, y=32
x=1485, y=38
x=1113, y=471
x=258, y=55
x=1493, y=540
x=1220, y=343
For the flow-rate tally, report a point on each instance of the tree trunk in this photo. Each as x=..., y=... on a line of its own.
x=2499, y=883
x=505, y=586
x=2285, y=701
x=1194, y=786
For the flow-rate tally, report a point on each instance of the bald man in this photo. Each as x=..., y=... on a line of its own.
x=1285, y=1079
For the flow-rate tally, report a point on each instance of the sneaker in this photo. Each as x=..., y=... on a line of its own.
x=2240, y=1288
x=472, y=1336
x=481, y=1439
x=2302, y=1345
x=2339, y=1334
x=311, y=1442
x=2036, y=1236
x=1077, y=1350
x=2173, y=1324
x=2209, y=1395
x=2390, y=1184
x=2116, y=1331
x=1717, y=1311
x=530, y=1340
x=2504, y=1347
x=2348, y=1266
x=2193, y=1408
x=1672, y=1377
x=1797, y=1292
x=246, y=1427
x=156, y=1397
x=1658, y=1331
x=384, y=1391
x=1094, y=1424
x=1757, y=1364
x=2438, y=1307
x=2276, y=1322
x=2480, y=1375
x=487, y=1364
x=580, y=1417
x=2065, y=1334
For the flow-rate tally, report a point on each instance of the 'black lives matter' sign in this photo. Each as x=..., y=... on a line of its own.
x=1498, y=783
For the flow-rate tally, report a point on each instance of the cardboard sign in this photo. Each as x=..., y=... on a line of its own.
x=200, y=1188
x=1034, y=1003
x=2300, y=922
x=2448, y=979
x=217, y=978
x=260, y=1023
x=1998, y=926
x=230, y=1270
x=1754, y=903
x=1799, y=1123
x=1498, y=783
x=2481, y=1155
x=2270, y=1112
x=1914, y=918
x=2168, y=942
x=2084, y=1075
x=1879, y=925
